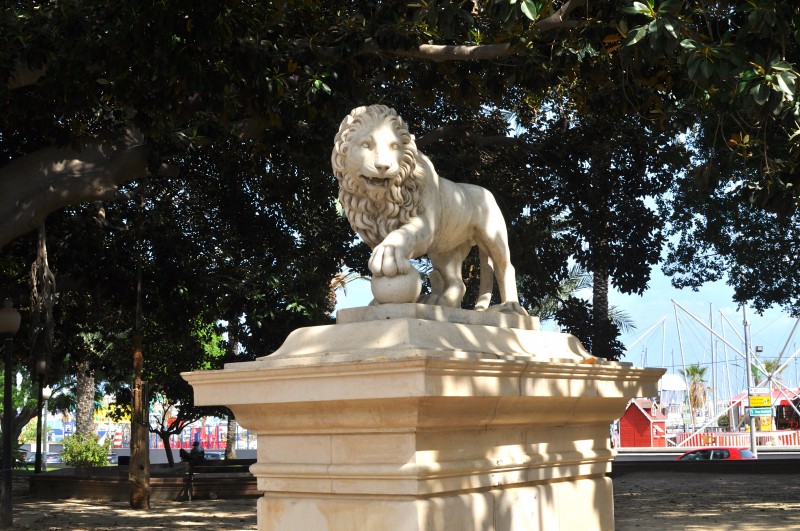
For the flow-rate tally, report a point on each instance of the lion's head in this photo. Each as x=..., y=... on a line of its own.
x=375, y=161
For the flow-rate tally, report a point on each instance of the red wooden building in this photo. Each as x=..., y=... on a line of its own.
x=642, y=425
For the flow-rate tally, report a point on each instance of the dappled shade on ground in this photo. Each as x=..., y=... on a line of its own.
x=642, y=500
x=720, y=502
x=79, y=515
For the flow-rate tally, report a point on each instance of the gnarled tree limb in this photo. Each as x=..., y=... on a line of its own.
x=46, y=180
x=457, y=131
x=559, y=19
x=439, y=53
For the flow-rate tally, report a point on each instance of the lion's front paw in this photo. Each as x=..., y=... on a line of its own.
x=389, y=261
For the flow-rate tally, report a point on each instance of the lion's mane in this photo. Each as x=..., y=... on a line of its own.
x=374, y=216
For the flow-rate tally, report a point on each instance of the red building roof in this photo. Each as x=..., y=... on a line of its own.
x=650, y=409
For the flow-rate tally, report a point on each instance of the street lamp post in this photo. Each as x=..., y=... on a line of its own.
x=47, y=392
x=37, y=463
x=9, y=324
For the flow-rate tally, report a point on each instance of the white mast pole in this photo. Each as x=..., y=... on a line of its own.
x=683, y=363
x=713, y=361
x=753, y=446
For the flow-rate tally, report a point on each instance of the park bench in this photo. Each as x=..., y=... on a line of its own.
x=225, y=478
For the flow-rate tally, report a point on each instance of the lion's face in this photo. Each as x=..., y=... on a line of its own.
x=374, y=158
x=375, y=161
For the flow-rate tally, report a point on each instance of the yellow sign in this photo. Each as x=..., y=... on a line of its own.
x=760, y=401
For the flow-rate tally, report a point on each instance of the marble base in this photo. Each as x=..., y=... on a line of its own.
x=404, y=423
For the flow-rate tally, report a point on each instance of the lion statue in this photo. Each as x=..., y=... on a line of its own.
x=402, y=209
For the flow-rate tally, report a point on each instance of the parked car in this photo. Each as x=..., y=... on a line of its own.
x=716, y=453
x=52, y=457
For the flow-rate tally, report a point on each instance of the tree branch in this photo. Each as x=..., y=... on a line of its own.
x=558, y=19
x=46, y=180
x=456, y=131
x=438, y=53
x=34, y=185
x=441, y=53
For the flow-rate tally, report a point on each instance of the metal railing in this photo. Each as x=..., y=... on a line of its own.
x=738, y=438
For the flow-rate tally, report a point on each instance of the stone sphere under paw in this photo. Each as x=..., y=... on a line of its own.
x=397, y=289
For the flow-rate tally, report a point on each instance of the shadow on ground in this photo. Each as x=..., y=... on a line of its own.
x=643, y=500
x=719, y=502
x=79, y=515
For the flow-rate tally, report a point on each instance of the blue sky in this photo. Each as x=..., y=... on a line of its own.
x=662, y=345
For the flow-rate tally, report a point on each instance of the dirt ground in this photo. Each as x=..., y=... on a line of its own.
x=643, y=500
x=76, y=515
x=719, y=502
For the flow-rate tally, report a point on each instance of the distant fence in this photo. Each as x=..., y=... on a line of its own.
x=739, y=438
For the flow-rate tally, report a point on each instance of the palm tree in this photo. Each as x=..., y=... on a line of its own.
x=579, y=279
x=698, y=389
x=771, y=376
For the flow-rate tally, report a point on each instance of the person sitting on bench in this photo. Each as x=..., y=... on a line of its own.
x=195, y=454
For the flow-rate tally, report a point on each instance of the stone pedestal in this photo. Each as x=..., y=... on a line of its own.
x=420, y=418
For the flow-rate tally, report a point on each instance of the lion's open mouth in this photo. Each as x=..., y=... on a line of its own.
x=376, y=182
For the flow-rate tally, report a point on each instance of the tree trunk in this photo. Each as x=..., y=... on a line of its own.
x=233, y=351
x=42, y=417
x=230, y=439
x=139, y=469
x=601, y=324
x=84, y=397
x=167, y=448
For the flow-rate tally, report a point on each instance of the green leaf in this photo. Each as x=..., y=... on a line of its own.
x=694, y=63
x=670, y=27
x=670, y=6
x=781, y=66
x=786, y=83
x=689, y=44
x=749, y=74
x=638, y=8
x=741, y=87
x=530, y=9
x=760, y=93
x=705, y=67
x=637, y=34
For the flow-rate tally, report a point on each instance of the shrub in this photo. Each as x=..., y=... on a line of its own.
x=84, y=451
x=17, y=455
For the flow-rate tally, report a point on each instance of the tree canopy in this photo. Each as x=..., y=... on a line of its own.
x=222, y=115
